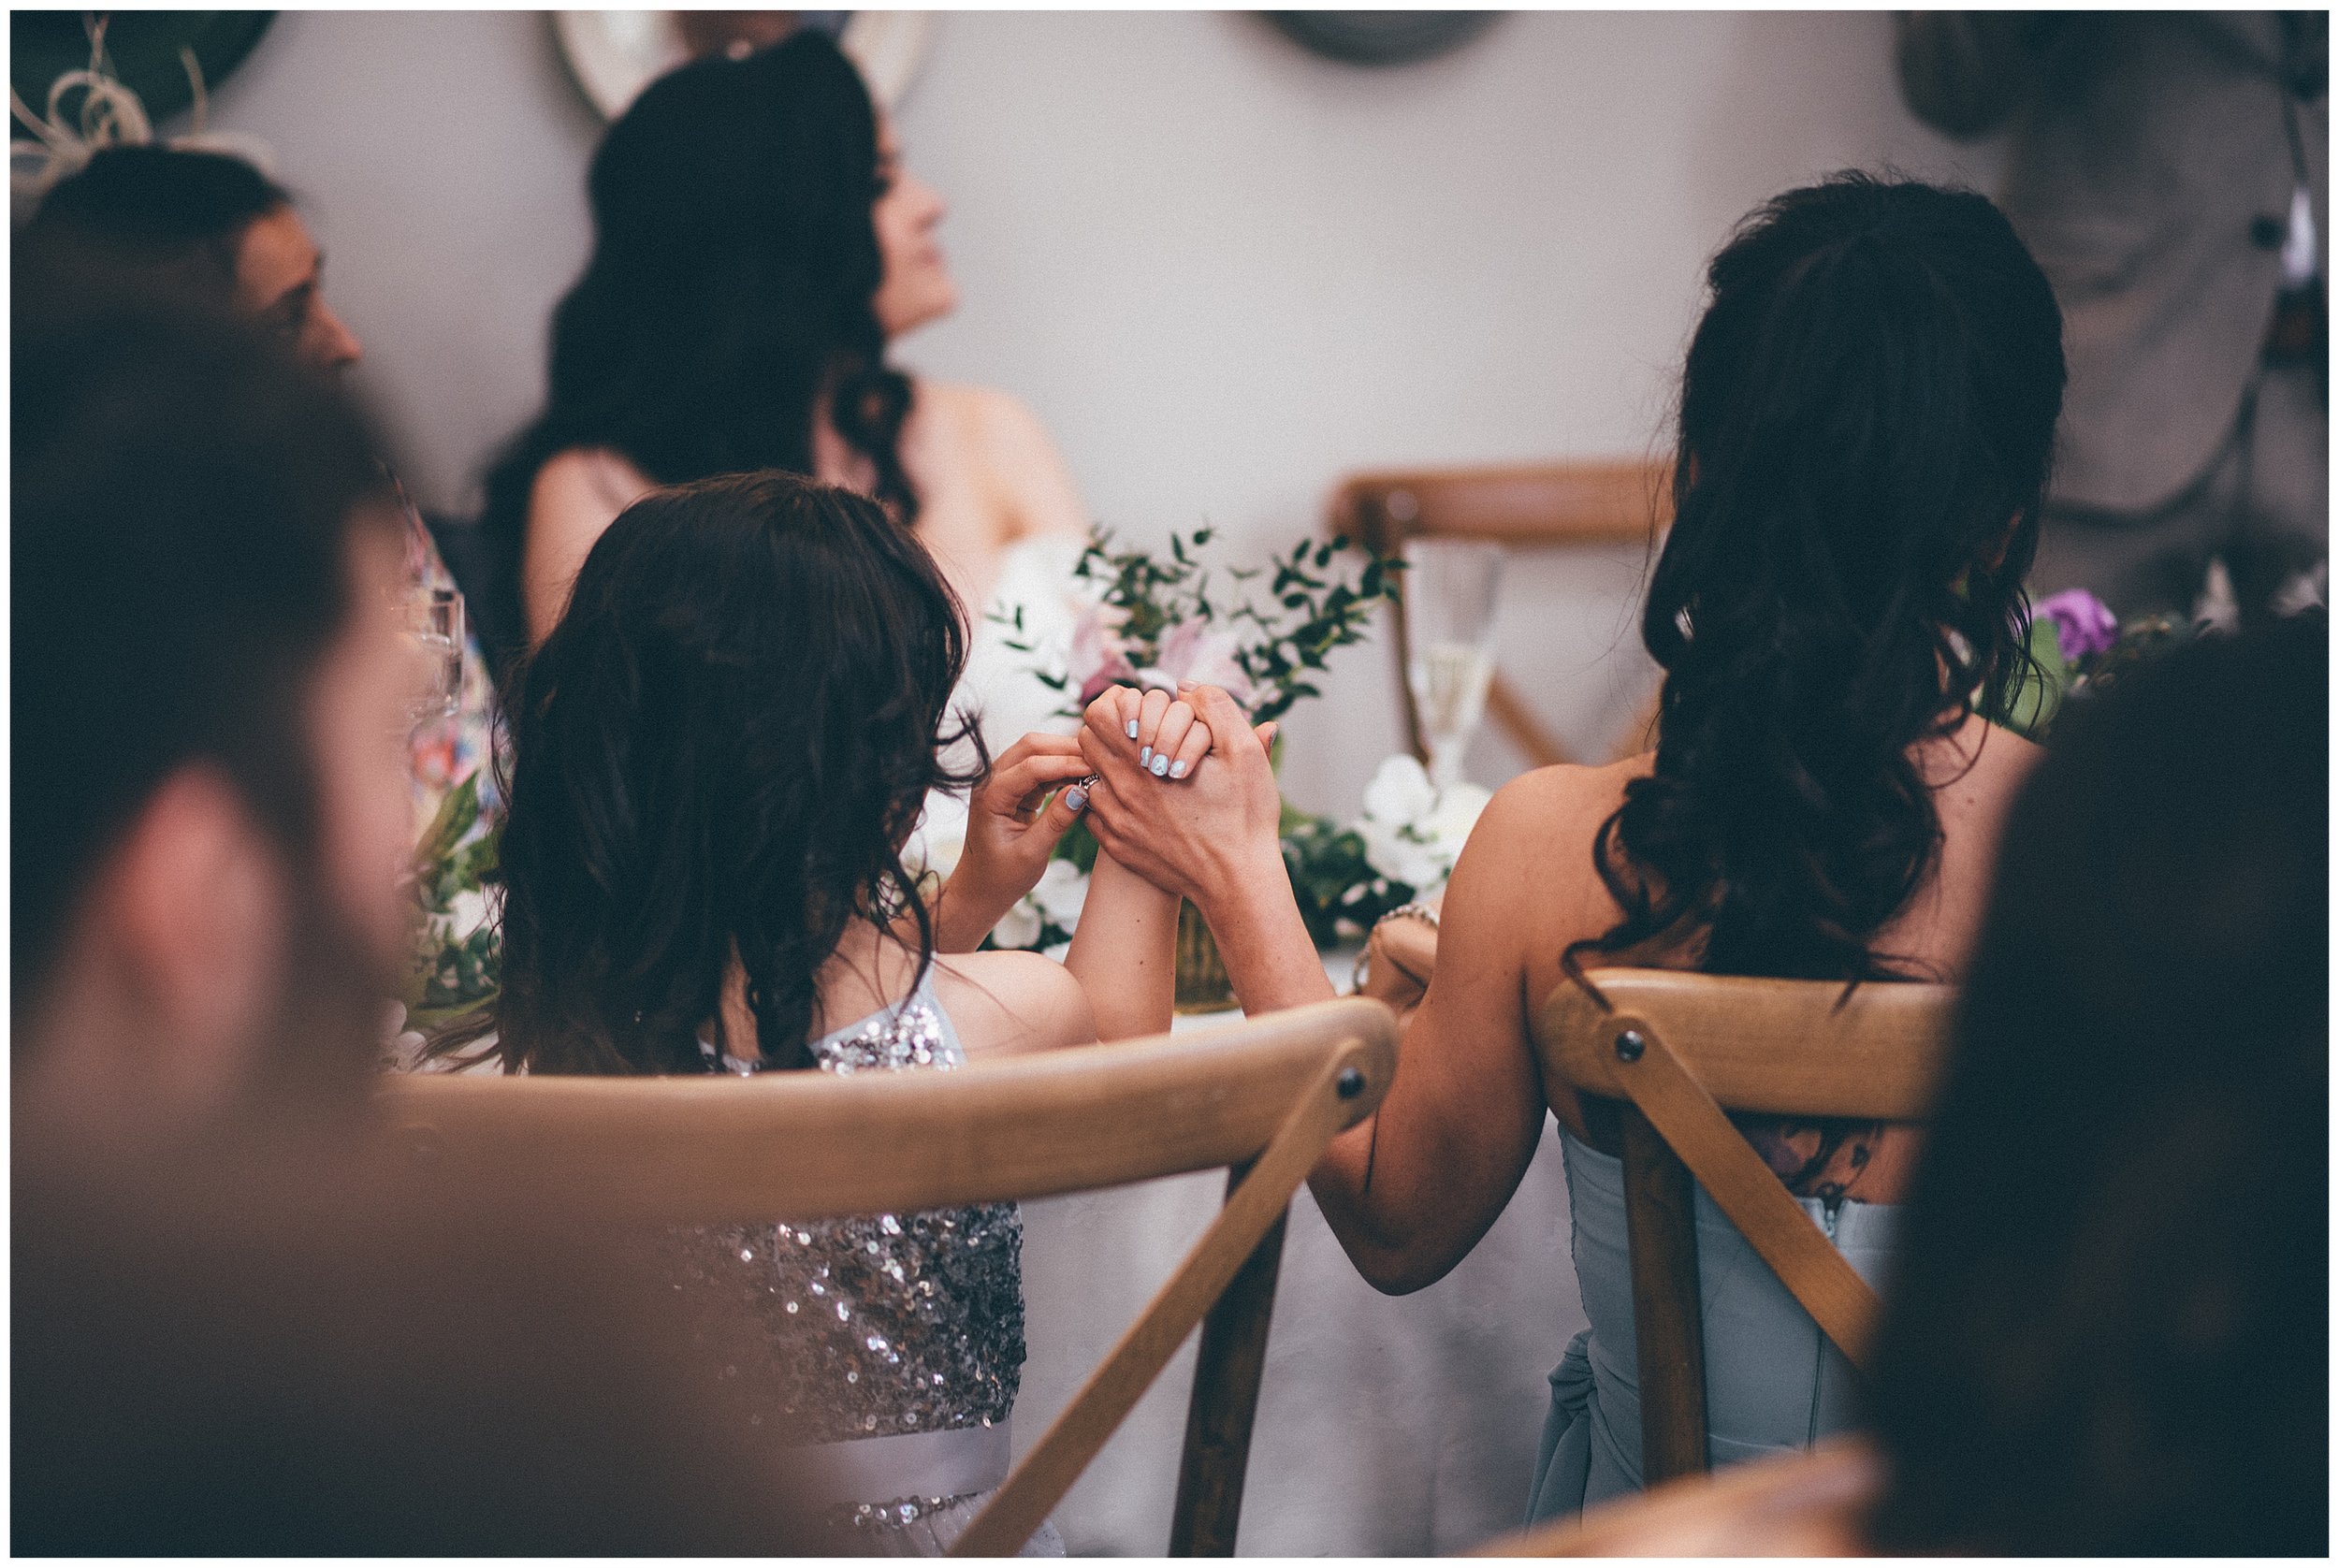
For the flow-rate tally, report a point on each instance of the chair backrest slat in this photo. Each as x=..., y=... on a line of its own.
x=705, y=1150
x=1793, y=1048
x=1529, y=505
x=1535, y=504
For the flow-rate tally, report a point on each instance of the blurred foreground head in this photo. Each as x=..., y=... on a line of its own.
x=2108, y=1331
x=229, y=1334
x=210, y=686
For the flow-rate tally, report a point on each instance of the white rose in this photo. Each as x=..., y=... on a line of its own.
x=938, y=840
x=1395, y=853
x=1062, y=890
x=1400, y=792
x=1020, y=927
x=1448, y=823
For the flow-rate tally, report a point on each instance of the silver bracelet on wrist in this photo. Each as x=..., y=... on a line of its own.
x=1364, y=960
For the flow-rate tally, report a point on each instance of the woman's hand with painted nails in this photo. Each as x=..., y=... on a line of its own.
x=1171, y=739
x=1012, y=825
x=1197, y=840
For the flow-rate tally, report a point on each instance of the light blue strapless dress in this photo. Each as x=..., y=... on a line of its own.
x=1773, y=1381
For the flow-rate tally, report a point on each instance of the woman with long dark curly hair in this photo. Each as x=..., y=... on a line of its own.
x=1867, y=416
x=719, y=754
x=757, y=245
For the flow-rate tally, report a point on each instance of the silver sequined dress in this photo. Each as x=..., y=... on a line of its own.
x=886, y=1327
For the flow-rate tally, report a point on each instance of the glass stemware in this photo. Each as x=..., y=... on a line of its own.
x=1449, y=587
x=435, y=620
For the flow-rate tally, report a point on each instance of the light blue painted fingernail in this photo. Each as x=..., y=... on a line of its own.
x=1077, y=799
x=1177, y=770
x=1144, y=756
x=1161, y=767
x=1132, y=729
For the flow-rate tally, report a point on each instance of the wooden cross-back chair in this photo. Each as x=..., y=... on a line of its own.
x=1535, y=506
x=1678, y=1050
x=1789, y=1502
x=1262, y=1097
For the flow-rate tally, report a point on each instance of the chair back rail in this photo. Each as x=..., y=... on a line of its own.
x=710, y=1150
x=1680, y=1049
x=1768, y=1046
x=1264, y=1096
x=1535, y=505
x=1800, y=1496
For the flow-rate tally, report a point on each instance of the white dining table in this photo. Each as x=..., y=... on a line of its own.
x=1387, y=1424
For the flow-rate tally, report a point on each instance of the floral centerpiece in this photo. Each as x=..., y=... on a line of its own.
x=1155, y=623
x=1401, y=849
x=458, y=949
x=1264, y=633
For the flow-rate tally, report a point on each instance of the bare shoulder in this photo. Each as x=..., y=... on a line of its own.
x=1005, y=1004
x=1526, y=886
x=587, y=482
x=1003, y=445
x=1977, y=770
x=982, y=413
x=1563, y=802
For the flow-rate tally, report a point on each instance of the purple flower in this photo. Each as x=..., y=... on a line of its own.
x=2084, y=624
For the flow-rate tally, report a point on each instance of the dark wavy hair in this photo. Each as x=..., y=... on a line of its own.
x=171, y=210
x=730, y=287
x=2107, y=1330
x=717, y=754
x=1867, y=413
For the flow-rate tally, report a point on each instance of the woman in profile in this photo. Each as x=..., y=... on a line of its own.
x=1865, y=418
x=757, y=246
x=719, y=753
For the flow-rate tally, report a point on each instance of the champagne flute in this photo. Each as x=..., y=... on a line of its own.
x=435, y=620
x=1449, y=590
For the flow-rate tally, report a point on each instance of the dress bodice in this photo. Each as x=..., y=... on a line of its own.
x=886, y=1349
x=1773, y=1381
x=884, y=1324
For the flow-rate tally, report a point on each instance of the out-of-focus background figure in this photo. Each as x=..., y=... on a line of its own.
x=209, y=227
x=2171, y=172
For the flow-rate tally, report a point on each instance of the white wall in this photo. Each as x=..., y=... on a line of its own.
x=1222, y=271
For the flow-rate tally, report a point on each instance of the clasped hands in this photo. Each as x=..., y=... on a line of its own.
x=1183, y=794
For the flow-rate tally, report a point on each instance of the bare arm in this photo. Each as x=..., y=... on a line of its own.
x=1210, y=836
x=1013, y=822
x=1125, y=951
x=1411, y=1190
x=571, y=503
x=1011, y=1004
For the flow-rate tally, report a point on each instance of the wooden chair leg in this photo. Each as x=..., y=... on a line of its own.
x=1255, y=1209
x=1400, y=640
x=1661, y=1224
x=1226, y=1400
